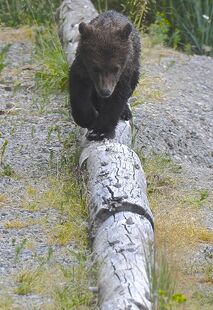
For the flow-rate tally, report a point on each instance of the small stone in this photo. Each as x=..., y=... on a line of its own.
x=8, y=88
x=10, y=105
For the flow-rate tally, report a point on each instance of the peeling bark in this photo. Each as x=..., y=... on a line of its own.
x=120, y=218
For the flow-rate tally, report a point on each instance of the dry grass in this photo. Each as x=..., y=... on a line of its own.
x=153, y=54
x=3, y=199
x=19, y=224
x=6, y=303
x=66, y=196
x=177, y=227
x=149, y=89
x=11, y=35
x=41, y=280
x=177, y=211
x=16, y=224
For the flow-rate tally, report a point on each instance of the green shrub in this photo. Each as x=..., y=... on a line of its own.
x=19, y=12
x=159, y=30
x=191, y=23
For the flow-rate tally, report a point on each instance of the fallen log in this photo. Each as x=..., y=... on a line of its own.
x=121, y=222
x=68, y=16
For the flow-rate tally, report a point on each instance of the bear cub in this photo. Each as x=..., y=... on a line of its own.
x=104, y=74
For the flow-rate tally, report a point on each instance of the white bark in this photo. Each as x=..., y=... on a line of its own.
x=116, y=181
x=123, y=246
x=120, y=218
x=68, y=16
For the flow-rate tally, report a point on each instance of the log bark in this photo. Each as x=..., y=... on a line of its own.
x=68, y=16
x=121, y=222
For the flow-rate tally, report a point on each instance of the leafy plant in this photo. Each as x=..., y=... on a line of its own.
x=136, y=10
x=159, y=30
x=191, y=21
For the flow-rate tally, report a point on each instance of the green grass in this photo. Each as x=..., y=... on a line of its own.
x=75, y=293
x=66, y=195
x=7, y=170
x=159, y=171
x=3, y=53
x=21, y=12
x=52, y=75
x=162, y=280
x=197, y=198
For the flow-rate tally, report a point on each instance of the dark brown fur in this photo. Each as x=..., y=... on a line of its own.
x=104, y=74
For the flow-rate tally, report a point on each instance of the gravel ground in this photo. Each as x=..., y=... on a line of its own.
x=180, y=124
x=25, y=123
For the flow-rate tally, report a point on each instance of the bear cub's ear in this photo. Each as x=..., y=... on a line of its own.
x=124, y=33
x=84, y=29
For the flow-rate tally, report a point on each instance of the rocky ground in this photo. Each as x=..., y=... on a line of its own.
x=32, y=131
x=175, y=118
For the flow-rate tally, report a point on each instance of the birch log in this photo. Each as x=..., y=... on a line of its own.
x=121, y=222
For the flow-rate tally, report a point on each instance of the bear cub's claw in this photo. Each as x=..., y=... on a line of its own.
x=97, y=136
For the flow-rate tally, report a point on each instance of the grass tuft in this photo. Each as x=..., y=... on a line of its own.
x=66, y=196
x=3, y=54
x=6, y=303
x=28, y=282
x=75, y=293
x=52, y=75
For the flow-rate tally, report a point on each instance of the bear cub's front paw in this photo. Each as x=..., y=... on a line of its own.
x=126, y=115
x=98, y=136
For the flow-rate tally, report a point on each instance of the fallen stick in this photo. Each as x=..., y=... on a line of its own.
x=121, y=222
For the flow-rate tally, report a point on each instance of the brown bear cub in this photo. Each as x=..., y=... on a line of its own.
x=104, y=74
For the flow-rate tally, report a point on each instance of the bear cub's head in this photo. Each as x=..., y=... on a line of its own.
x=105, y=54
